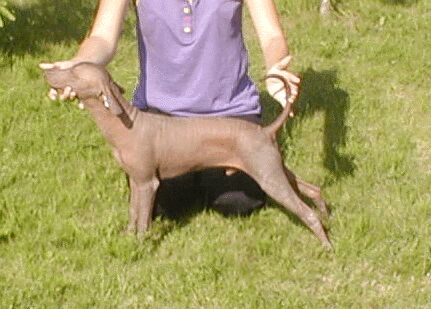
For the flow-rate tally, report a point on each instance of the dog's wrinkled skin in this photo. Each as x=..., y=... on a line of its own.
x=150, y=147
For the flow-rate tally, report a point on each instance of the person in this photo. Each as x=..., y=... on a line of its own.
x=193, y=62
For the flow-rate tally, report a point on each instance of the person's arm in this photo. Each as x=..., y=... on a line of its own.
x=100, y=45
x=274, y=47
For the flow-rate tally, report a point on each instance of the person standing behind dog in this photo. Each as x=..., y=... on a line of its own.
x=193, y=62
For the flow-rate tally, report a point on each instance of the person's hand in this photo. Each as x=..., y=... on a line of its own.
x=62, y=94
x=275, y=87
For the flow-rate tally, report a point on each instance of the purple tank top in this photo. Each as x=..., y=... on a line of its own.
x=193, y=61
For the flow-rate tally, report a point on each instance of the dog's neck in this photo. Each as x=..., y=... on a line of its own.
x=114, y=128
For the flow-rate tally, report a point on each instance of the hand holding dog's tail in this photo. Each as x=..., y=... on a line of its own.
x=273, y=127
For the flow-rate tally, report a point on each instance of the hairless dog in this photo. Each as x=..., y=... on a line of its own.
x=147, y=147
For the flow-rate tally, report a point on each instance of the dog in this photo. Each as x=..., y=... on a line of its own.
x=150, y=147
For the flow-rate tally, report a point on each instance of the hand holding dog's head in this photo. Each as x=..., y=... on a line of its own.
x=88, y=81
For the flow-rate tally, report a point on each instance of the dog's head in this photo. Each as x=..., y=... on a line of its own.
x=88, y=81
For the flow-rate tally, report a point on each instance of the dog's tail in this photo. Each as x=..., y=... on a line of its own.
x=273, y=127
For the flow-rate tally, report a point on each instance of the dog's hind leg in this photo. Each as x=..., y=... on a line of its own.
x=269, y=174
x=277, y=187
x=311, y=191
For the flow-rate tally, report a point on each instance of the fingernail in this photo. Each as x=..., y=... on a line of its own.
x=46, y=66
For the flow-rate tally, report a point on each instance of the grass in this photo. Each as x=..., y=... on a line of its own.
x=361, y=131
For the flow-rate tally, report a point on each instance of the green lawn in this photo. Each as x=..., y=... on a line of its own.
x=362, y=131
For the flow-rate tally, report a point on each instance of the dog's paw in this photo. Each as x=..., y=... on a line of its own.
x=322, y=208
x=130, y=230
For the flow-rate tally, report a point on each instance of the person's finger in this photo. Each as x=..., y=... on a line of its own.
x=52, y=94
x=72, y=95
x=293, y=88
x=62, y=65
x=292, y=98
x=46, y=66
x=290, y=77
x=66, y=93
x=294, y=94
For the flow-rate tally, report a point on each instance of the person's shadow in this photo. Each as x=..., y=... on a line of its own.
x=320, y=93
x=400, y=2
x=39, y=24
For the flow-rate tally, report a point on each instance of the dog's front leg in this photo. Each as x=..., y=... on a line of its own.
x=133, y=207
x=141, y=204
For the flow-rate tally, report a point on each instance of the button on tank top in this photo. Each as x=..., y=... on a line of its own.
x=193, y=61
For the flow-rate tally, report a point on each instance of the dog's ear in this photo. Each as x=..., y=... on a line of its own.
x=110, y=99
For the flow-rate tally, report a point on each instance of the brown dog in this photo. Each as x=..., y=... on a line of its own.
x=148, y=149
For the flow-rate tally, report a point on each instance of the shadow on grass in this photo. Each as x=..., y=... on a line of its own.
x=320, y=93
x=181, y=198
x=43, y=22
x=5, y=238
x=400, y=2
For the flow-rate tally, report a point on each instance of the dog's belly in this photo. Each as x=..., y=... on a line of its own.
x=197, y=158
